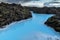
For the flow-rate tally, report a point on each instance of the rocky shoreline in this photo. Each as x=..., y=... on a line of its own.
x=15, y=12
x=12, y=12
x=54, y=22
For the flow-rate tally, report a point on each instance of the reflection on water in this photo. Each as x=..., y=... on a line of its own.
x=30, y=29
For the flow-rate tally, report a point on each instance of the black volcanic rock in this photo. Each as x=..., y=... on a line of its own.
x=54, y=22
x=12, y=12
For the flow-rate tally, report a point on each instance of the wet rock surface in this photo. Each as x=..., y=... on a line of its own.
x=54, y=22
x=12, y=12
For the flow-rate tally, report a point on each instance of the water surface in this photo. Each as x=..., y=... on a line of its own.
x=30, y=29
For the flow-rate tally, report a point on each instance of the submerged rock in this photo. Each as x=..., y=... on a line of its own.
x=12, y=12
x=54, y=22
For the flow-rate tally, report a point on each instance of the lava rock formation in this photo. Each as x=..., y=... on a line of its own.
x=12, y=12
x=54, y=22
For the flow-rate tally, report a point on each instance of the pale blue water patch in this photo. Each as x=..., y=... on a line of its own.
x=32, y=25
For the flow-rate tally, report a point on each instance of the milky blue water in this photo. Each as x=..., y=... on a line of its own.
x=27, y=27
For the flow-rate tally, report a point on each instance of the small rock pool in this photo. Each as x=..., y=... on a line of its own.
x=30, y=29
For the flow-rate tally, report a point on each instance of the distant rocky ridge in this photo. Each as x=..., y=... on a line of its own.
x=12, y=12
x=44, y=10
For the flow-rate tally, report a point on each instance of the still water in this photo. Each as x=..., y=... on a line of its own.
x=30, y=29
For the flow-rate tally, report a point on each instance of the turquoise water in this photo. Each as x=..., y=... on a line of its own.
x=18, y=30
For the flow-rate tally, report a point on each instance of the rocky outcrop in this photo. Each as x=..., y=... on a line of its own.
x=12, y=12
x=54, y=22
x=44, y=10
